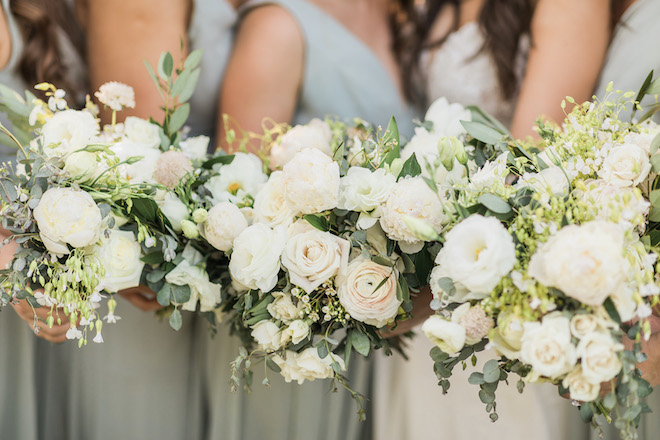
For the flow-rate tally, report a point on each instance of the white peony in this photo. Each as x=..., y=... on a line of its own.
x=141, y=132
x=579, y=387
x=411, y=196
x=267, y=335
x=82, y=165
x=120, y=255
x=67, y=216
x=223, y=224
x=625, y=165
x=477, y=253
x=446, y=117
x=358, y=294
x=311, y=182
x=312, y=256
x=201, y=289
x=68, y=131
x=447, y=335
x=195, y=147
x=240, y=178
x=584, y=262
x=270, y=207
x=282, y=308
x=174, y=209
x=547, y=347
x=316, y=134
x=600, y=359
x=255, y=261
x=365, y=191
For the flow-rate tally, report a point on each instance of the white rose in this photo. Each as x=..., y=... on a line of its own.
x=312, y=257
x=120, y=255
x=411, y=196
x=547, y=347
x=240, y=178
x=311, y=182
x=141, y=171
x=446, y=117
x=195, y=147
x=67, y=216
x=270, y=207
x=282, y=308
x=550, y=181
x=643, y=139
x=267, y=335
x=141, y=132
x=307, y=365
x=223, y=224
x=81, y=165
x=71, y=129
x=296, y=332
x=579, y=387
x=365, y=191
x=448, y=336
x=174, y=209
x=360, y=299
x=316, y=134
x=584, y=262
x=600, y=361
x=201, y=289
x=477, y=253
x=625, y=165
x=255, y=261
x=583, y=324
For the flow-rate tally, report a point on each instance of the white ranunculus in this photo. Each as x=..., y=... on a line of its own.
x=547, y=347
x=240, y=178
x=446, y=117
x=312, y=256
x=282, y=308
x=71, y=129
x=82, y=165
x=316, y=134
x=625, y=165
x=599, y=353
x=447, y=335
x=255, y=261
x=141, y=171
x=579, y=387
x=174, y=209
x=120, y=255
x=223, y=224
x=267, y=335
x=195, y=147
x=411, y=196
x=141, y=132
x=307, y=365
x=365, y=191
x=201, y=289
x=357, y=292
x=550, y=181
x=584, y=262
x=478, y=252
x=296, y=332
x=67, y=216
x=492, y=175
x=270, y=207
x=311, y=182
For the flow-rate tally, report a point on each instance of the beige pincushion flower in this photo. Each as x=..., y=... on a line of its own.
x=116, y=95
x=171, y=167
x=476, y=323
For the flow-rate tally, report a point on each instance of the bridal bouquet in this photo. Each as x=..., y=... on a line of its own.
x=557, y=271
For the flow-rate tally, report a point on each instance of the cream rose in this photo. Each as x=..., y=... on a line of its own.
x=312, y=257
x=600, y=360
x=282, y=308
x=584, y=262
x=357, y=292
x=625, y=165
x=296, y=332
x=547, y=347
x=307, y=365
x=67, y=216
x=447, y=335
x=223, y=224
x=267, y=335
x=270, y=207
x=579, y=387
x=255, y=261
x=141, y=132
x=311, y=182
x=583, y=324
x=71, y=129
x=365, y=191
x=120, y=255
x=316, y=134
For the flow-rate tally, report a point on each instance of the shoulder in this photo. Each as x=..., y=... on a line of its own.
x=272, y=22
x=5, y=39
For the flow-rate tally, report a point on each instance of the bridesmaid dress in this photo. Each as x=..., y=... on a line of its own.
x=342, y=77
x=409, y=404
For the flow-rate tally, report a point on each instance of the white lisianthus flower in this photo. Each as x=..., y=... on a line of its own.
x=270, y=207
x=116, y=95
x=357, y=292
x=411, y=196
x=478, y=252
x=447, y=335
x=365, y=191
x=625, y=165
x=312, y=257
x=550, y=181
x=474, y=320
x=460, y=293
x=643, y=139
x=600, y=361
x=547, y=347
x=316, y=134
x=446, y=117
x=70, y=130
x=311, y=182
x=584, y=262
x=626, y=202
x=282, y=308
x=82, y=165
x=120, y=256
x=195, y=147
x=296, y=332
x=307, y=365
x=67, y=216
x=579, y=387
x=240, y=178
x=267, y=335
x=141, y=171
x=141, y=132
x=174, y=209
x=201, y=289
x=223, y=224
x=492, y=175
x=171, y=167
x=255, y=261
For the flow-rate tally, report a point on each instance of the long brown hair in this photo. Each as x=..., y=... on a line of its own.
x=41, y=23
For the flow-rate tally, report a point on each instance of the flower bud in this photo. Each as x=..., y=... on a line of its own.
x=199, y=215
x=189, y=229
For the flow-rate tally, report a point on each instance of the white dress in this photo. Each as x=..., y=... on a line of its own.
x=408, y=402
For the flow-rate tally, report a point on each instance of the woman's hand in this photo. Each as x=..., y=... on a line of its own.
x=141, y=297
x=421, y=311
x=56, y=333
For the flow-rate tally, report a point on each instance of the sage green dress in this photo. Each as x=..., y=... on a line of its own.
x=342, y=77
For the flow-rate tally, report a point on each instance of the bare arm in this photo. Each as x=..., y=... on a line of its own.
x=570, y=39
x=5, y=40
x=265, y=71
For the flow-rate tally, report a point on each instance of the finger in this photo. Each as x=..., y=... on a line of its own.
x=142, y=303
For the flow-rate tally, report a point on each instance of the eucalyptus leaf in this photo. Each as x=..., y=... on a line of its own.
x=360, y=342
x=193, y=59
x=494, y=203
x=164, y=295
x=165, y=65
x=482, y=132
x=176, y=321
x=491, y=371
x=272, y=365
x=190, y=86
x=476, y=378
x=178, y=118
x=180, y=294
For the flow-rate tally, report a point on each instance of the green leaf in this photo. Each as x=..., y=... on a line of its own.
x=447, y=284
x=392, y=132
x=655, y=143
x=611, y=310
x=155, y=276
x=654, y=197
x=491, y=371
x=645, y=87
x=146, y=209
x=411, y=168
x=486, y=397
x=322, y=349
x=180, y=294
x=654, y=87
x=165, y=65
x=480, y=115
x=586, y=413
x=655, y=162
x=224, y=159
x=153, y=258
x=476, y=378
x=320, y=223
x=176, y=321
x=494, y=203
x=360, y=342
x=609, y=401
x=193, y=59
x=8, y=191
x=482, y=132
x=272, y=365
x=438, y=355
x=178, y=118
x=164, y=295
x=190, y=86
x=180, y=83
